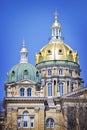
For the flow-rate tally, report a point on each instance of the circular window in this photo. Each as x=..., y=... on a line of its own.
x=49, y=51
x=70, y=52
x=60, y=51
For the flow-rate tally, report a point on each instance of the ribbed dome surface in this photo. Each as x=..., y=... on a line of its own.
x=23, y=71
x=56, y=50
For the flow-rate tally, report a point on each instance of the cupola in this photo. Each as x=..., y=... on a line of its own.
x=56, y=49
x=23, y=70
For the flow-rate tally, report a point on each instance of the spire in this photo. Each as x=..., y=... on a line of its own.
x=56, y=28
x=56, y=16
x=23, y=44
x=23, y=53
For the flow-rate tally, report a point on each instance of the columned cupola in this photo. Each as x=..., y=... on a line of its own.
x=56, y=28
x=23, y=53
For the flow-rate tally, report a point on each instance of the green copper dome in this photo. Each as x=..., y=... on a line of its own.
x=23, y=71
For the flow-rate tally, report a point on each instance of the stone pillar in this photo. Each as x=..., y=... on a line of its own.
x=36, y=118
x=14, y=118
x=58, y=115
x=77, y=118
x=41, y=118
x=11, y=122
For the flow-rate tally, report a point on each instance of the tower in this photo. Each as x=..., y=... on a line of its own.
x=59, y=65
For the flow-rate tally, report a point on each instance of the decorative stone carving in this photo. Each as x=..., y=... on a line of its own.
x=37, y=109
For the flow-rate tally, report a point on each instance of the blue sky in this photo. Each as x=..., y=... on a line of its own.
x=32, y=20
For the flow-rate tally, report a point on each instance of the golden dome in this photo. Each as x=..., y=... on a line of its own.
x=56, y=51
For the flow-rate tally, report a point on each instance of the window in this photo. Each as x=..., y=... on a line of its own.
x=60, y=71
x=49, y=51
x=67, y=83
x=70, y=71
x=39, y=53
x=50, y=123
x=19, y=121
x=25, y=119
x=13, y=76
x=60, y=51
x=70, y=52
x=22, y=92
x=49, y=72
x=56, y=31
x=25, y=123
x=29, y=92
x=37, y=74
x=53, y=32
x=49, y=89
x=25, y=74
x=61, y=89
x=31, y=122
x=54, y=82
x=13, y=73
x=72, y=87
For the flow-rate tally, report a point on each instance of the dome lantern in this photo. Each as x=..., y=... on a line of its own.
x=56, y=28
x=23, y=54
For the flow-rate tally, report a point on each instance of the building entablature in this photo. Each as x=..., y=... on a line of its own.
x=77, y=93
x=62, y=77
x=59, y=63
x=45, y=99
x=25, y=99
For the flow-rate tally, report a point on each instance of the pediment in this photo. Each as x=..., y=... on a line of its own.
x=26, y=81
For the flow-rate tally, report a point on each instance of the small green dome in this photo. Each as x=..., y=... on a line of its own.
x=23, y=71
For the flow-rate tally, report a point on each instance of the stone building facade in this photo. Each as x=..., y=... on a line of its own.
x=49, y=95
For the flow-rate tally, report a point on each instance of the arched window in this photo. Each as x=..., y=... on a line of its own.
x=72, y=88
x=25, y=74
x=60, y=72
x=37, y=74
x=70, y=72
x=50, y=123
x=54, y=82
x=25, y=118
x=61, y=89
x=13, y=73
x=49, y=89
x=13, y=76
x=22, y=92
x=49, y=72
x=29, y=92
x=25, y=121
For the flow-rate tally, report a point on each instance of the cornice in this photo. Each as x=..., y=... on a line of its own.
x=58, y=64
x=25, y=99
x=76, y=93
